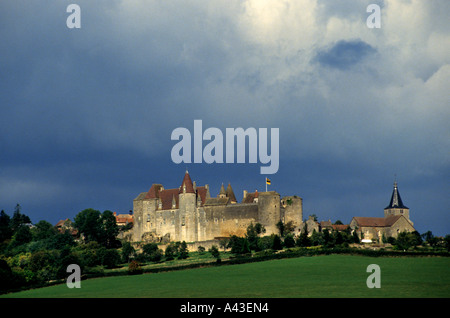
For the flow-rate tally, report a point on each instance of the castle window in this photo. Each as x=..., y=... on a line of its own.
x=148, y=217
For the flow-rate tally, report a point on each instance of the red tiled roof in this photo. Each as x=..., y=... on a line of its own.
x=250, y=197
x=123, y=218
x=166, y=197
x=376, y=222
x=340, y=227
x=154, y=191
x=188, y=183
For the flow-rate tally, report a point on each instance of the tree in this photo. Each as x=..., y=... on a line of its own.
x=215, y=252
x=43, y=230
x=99, y=227
x=316, y=238
x=110, y=258
x=276, y=243
x=18, y=218
x=355, y=237
x=303, y=239
x=223, y=243
x=252, y=236
x=151, y=252
x=169, y=252
x=5, y=229
x=88, y=223
x=22, y=236
x=328, y=242
x=183, y=252
x=447, y=242
x=239, y=245
x=128, y=251
x=289, y=241
x=281, y=228
x=109, y=229
x=404, y=241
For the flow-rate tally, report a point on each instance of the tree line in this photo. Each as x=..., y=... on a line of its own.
x=33, y=255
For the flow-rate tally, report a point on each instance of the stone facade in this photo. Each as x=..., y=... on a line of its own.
x=190, y=214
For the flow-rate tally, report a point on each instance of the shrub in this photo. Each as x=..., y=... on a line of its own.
x=134, y=268
x=111, y=258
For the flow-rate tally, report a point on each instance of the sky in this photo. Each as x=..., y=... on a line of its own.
x=86, y=114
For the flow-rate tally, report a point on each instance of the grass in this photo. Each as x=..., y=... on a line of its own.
x=318, y=276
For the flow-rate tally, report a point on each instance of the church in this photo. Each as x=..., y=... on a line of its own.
x=396, y=219
x=189, y=212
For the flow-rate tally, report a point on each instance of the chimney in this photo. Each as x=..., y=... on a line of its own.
x=245, y=194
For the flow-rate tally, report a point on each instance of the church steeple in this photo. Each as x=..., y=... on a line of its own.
x=396, y=206
x=396, y=201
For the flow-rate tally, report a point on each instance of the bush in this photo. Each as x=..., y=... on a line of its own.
x=151, y=253
x=183, y=251
x=214, y=252
x=134, y=268
x=289, y=241
x=110, y=258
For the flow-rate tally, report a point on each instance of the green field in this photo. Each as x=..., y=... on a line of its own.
x=318, y=276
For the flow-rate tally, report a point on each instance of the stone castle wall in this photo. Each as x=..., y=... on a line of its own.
x=192, y=222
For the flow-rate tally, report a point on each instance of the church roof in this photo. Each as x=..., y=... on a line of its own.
x=376, y=222
x=396, y=200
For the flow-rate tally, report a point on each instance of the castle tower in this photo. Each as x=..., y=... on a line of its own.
x=396, y=206
x=230, y=194
x=222, y=193
x=269, y=211
x=186, y=229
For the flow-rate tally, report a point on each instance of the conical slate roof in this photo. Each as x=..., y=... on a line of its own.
x=396, y=200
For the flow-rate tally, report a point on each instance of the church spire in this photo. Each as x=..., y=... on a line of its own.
x=396, y=200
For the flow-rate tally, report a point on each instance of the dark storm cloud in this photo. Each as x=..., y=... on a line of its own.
x=86, y=115
x=344, y=54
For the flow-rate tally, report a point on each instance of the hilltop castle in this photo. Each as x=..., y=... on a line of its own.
x=190, y=214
